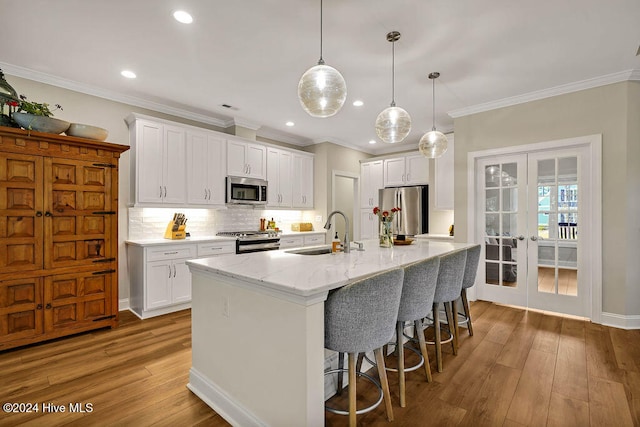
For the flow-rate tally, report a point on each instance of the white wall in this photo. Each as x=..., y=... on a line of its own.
x=612, y=111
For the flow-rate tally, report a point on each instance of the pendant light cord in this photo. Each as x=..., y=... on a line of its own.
x=321, y=61
x=393, y=73
x=434, y=103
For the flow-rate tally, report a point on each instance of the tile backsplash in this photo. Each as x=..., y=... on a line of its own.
x=150, y=223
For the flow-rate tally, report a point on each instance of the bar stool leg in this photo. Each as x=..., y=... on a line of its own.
x=382, y=373
x=465, y=305
x=450, y=325
x=340, y=366
x=436, y=329
x=400, y=349
x=352, y=389
x=454, y=315
x=423, y=348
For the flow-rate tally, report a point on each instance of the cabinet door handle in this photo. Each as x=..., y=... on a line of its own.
x=175, y=270
x=48, y=306
x=205, y=194
x=38, y=214
x=171, y=253
x=39, y=306
x=169, y=272
x=160, y=192
x=165, y=191
x=47, y=214
x=408, y=177
x=209, y=193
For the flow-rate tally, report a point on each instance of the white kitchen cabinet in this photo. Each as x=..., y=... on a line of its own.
x=302, y=179
x=291, y=242
x=406, y=170
x=246, y=159
x=368, y=224
x=158, y=163
x=371, y=180
x=160, y=280
x=279, y=172
x=444, y=183
x=314, y=239
x=206, y=168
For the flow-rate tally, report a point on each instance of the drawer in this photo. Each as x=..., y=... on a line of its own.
x=316, y=239
x=216, y=248
x=291, y=242
x=158, y=253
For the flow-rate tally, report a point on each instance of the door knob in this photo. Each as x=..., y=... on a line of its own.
x=521, y=237
x=534, y=238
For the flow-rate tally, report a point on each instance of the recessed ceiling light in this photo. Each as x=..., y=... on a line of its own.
x=290, y=124
x=128, y=74
x=373, y=141
x=183, y=17
x=358, y=103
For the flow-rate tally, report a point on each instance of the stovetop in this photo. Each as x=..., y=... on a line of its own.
x=248, y=235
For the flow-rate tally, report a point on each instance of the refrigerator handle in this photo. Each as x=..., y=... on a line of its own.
x=399, y=214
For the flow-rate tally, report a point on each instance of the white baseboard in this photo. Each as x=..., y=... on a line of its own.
x=621, y=321
x=220, y=402
x=123, y=304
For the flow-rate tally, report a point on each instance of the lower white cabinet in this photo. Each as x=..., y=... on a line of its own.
x=297, y=241
x=159, y=277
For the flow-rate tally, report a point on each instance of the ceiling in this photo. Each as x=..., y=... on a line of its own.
x=251, y=54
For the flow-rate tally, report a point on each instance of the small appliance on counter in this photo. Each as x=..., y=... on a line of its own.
x=176, y=227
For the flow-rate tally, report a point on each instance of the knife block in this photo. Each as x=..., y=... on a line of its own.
x=175, y=235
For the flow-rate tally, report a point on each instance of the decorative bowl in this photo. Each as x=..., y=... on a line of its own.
x=87, y=131
x=40, y=123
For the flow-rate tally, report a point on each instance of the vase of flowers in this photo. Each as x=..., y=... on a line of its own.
x=386, y=222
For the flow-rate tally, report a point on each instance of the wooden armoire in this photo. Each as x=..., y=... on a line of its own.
x=58, y=235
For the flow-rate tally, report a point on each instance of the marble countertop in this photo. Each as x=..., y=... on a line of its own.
x=434, y=236
x=309, y=275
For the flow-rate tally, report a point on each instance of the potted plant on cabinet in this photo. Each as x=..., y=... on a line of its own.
x=37, y=116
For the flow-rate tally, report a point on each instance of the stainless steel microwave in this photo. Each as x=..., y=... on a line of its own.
x=246, y=191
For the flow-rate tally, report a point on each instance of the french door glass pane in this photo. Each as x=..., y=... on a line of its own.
x=501, y=224
x=557, y=225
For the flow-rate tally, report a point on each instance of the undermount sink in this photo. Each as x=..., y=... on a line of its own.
x=317, y=250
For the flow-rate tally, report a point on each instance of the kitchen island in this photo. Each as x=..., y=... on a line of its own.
x=258, y=327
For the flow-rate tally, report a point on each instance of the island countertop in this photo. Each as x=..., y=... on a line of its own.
x=310, y=275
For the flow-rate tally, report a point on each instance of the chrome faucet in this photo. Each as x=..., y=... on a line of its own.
x=346, y=245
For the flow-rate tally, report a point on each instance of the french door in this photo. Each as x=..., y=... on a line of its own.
x=531, y=210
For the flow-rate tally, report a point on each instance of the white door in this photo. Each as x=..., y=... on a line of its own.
x=158, y=284
x=558, y=245
x=502, y=216
x=175, y=161
x=529, y=210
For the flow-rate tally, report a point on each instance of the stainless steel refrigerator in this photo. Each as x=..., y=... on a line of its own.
x=413, y=217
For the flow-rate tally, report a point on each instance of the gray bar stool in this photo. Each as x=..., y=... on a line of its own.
x=418, y=291
x=469, y=279
x=448, y=291
x=358, y=318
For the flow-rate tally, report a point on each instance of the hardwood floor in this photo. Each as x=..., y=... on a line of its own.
x=520, y=368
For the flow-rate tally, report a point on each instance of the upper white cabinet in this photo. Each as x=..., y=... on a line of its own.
x=302, y=181
x=444, y=178
x=158, y=162
x=279, y=170
x=371, y=180
x=206, y=168
x=407, y=170
x=246, y=159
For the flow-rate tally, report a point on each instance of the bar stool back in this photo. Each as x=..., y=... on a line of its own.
x=416, y=302
x=360, y=317
x=469, y=279
x=448, y=291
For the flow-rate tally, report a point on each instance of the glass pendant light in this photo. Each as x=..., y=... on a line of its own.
x=433, y=143
x=322, y=89
x=393, y=123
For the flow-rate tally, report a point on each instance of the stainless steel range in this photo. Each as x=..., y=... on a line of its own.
x=253, y=241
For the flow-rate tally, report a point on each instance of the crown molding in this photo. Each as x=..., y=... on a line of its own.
x=239, y=121
x=548, y=93
x=276, y=135
x=38, y=76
